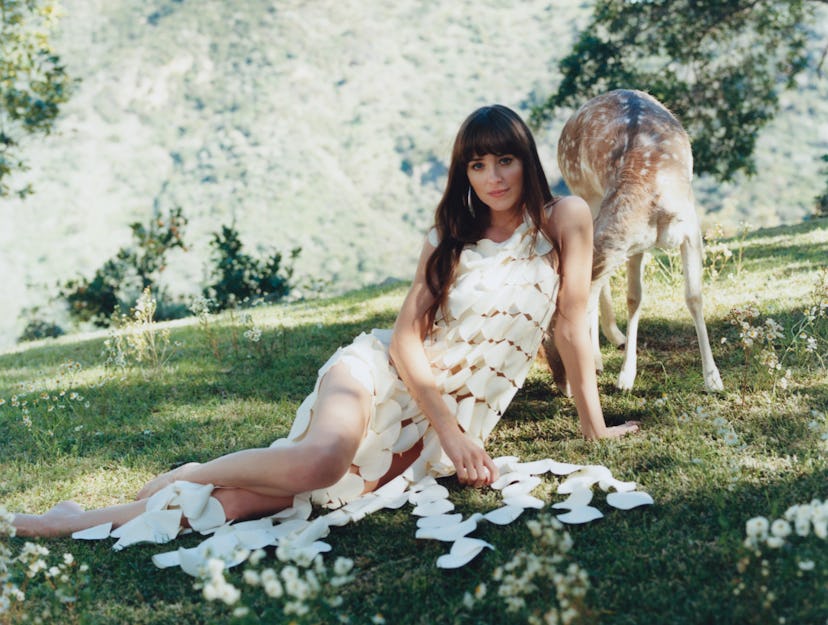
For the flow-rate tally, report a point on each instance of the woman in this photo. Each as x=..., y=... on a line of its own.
x=502, y=257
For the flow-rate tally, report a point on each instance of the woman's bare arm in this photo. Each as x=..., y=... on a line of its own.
x=473, y=464
x=570, y=224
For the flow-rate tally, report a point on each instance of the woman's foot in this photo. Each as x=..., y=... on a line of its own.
x=617, y=431
x=165, y=479
x=53, y=523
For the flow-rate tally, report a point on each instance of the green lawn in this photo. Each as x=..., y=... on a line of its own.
x=711, y=462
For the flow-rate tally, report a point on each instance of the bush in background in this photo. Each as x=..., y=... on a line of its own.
x=238, y=278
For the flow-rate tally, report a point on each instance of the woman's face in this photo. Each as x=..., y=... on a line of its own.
x=497, y=179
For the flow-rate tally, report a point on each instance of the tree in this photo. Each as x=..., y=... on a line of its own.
x=719, y=65
x=33, y=83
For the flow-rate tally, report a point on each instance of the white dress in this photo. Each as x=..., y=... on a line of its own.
x=480, y=352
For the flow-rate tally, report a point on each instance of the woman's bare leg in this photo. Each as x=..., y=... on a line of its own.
x=252, y=482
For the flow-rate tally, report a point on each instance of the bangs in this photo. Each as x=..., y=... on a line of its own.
x=490, y=132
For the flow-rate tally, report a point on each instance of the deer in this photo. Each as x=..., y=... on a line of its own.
x=630, y=159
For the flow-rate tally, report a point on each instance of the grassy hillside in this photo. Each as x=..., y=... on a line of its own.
x=322, y=124
x=72, y=427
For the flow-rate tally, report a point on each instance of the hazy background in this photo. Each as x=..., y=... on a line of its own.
x=323, y=124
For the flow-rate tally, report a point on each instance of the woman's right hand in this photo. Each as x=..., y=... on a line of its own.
x=473, y=465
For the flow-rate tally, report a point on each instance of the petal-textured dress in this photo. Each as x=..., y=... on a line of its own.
x=480, y=352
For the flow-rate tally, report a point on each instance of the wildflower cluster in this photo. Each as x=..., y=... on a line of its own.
x=524, y=582
x=49, y=412
x=717, y=254
x=759, y=341
x=791, y=549
x=136, y=338
x=30, y=573
x=305, y=590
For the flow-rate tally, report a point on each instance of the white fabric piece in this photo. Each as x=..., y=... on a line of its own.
x=462, y=551
x=629, y=500
x=581, y=514
x=99, y=532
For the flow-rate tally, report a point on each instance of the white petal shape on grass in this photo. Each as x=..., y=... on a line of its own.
x=503, y=515
x=462, y=551
x=507, y=478
x=501, y=461
x=439, y=520
x=573, y=483
x=431, y=508
x=422, y=484
x=582, y=514
x=522, y=487
x=563, y=468
x=432, y=493
x=450, y=533
x=629, y=500
x=535, y=467
x=288, y=527
x=301, y=509
x=524, y=501
x=618, y=485
x=99, y=532
x=579, y=497
x=166, y=560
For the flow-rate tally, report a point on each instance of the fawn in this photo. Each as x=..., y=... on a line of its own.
x=626, y=155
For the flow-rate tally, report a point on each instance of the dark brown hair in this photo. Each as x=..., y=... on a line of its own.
x=494, y=130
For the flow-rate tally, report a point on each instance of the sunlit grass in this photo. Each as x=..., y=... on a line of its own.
x=711, y=461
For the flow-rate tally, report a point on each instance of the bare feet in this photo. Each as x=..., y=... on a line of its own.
x=53, y=523
x=617, y=431
x=165, y=479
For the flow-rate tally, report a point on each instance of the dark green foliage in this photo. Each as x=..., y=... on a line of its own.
x=821, y=207
x=719, y=66
x=40, y=329
x=33, y=83
x=118, y=283
x=239, y=278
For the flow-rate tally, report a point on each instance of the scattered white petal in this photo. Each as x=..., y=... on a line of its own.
x=503, y=515
x=536, y=467
x=563, y=468
x=583, y=514
x=439, y=520
x=98, y=532
x=579, y=497
x=431, y=508
x=521, y=487
x=524, y=501
x=449, y=533
x=628, y=500
x=432, y=493
x=621, y=487
x=571, y=484
x=505, y=479
x=462, y=551
x=166, y=560
x=422, y=484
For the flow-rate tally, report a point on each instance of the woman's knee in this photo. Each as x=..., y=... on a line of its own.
x=322, y=463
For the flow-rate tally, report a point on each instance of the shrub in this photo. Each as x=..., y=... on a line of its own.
x=119, y=282
x=238, y=278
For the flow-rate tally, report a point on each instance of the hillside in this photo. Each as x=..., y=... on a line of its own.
x=324, y=125
x=74, y=427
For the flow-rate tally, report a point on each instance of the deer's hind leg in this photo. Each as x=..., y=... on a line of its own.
x=609, y=325
x=635, y=295
x=691, y=261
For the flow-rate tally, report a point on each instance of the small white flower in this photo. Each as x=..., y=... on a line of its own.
x=806, y=565
x=780, y=528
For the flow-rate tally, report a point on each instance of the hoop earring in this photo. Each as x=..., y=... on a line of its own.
x=469, y=203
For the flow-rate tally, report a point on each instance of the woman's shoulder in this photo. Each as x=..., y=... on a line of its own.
x=564, y=215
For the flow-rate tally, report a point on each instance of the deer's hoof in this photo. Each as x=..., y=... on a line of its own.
x=625, y=380
x=713, y=382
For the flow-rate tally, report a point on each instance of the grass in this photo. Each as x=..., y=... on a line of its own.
x=711, y=462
